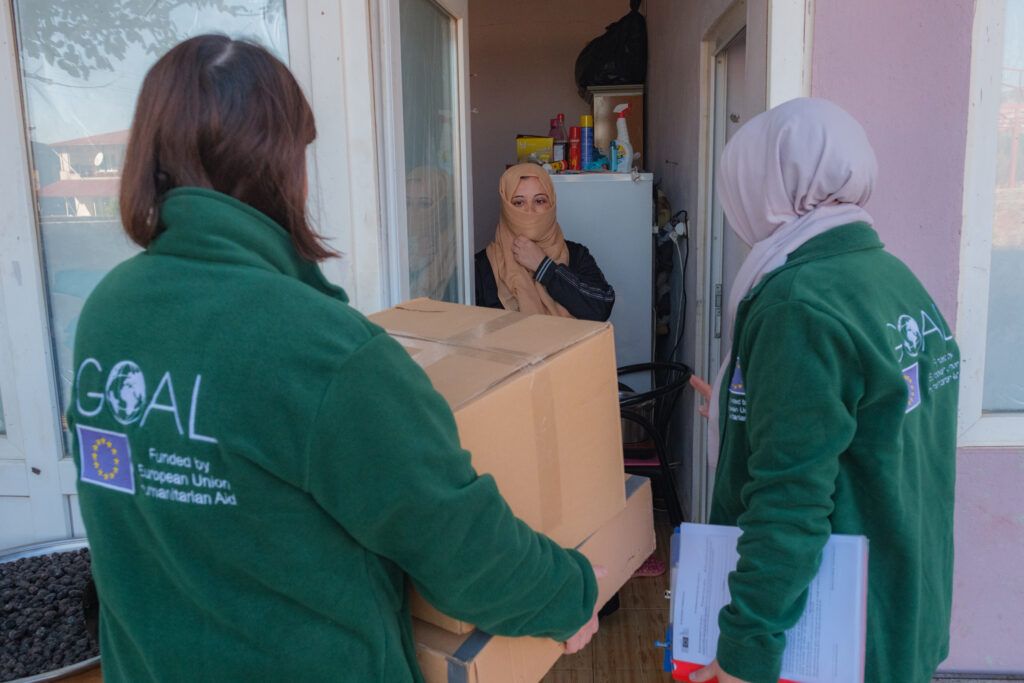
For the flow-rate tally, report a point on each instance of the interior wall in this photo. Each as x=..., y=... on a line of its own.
x=522, y=58
x=675, y=31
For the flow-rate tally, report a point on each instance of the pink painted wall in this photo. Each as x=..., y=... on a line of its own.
x=522, y=57
x=988, y=588
x=903, y=69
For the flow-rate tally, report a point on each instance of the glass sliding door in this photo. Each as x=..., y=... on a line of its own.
x=431, y=153
x=82, y=64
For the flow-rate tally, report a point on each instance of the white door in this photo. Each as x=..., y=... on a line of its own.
x=424, y=124
x=755, y=56
x=727, y=250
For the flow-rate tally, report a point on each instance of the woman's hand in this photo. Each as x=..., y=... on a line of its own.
x=704, y=389
x=583, y=636
x=527, y=253
x=713, y=671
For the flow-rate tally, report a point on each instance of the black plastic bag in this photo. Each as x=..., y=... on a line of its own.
x=619, y=57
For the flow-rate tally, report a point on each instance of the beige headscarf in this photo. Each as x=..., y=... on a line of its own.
x=517, y=289
x=787, y=176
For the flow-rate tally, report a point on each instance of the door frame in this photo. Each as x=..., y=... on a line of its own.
x=329, y=48
x=387, y=60
x=778, y=69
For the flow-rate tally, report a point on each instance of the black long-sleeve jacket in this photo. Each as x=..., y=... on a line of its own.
x=579, y=286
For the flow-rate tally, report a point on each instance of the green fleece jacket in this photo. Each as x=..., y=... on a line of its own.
x=262, y=470
x=839, y=416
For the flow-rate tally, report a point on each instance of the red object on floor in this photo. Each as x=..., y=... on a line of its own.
x=652, y=566
x=681, y=671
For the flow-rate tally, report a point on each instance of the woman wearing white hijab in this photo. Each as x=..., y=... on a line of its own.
x=835, y=411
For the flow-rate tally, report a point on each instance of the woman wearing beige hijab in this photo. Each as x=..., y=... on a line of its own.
x=530, y=267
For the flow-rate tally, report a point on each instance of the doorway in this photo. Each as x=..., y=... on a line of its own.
x=754, y=56
x=727, y=250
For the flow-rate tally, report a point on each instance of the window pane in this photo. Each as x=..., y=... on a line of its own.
x=432, y=175
x=1004, y=373
x=82, y=66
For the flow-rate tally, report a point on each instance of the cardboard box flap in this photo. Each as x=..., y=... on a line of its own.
x=533, y=337
x=461, y=374
x=428, y=319
x=467, y=351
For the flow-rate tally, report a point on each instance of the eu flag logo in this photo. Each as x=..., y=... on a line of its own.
x=912, y=376
x=105, y=459
x=736, y=385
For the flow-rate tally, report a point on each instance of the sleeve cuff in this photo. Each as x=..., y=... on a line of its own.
x=590, y=590
x=544, y=270
x=748, y=661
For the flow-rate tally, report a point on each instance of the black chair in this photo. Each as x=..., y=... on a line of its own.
x=645, y=420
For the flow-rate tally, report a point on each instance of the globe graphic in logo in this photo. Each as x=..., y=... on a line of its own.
x=126, y=392
x=913, y=340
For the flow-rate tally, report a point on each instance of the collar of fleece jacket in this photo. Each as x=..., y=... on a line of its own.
x=208, y=225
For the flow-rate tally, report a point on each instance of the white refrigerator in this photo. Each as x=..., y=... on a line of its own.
x=612, y=215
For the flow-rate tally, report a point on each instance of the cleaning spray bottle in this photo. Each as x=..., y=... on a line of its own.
x=621, y=150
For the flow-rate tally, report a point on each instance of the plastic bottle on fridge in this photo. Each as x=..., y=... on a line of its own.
x=586, y=140
x=621, y=152
x=559, y=148
x=563, y=136
x=575, y=162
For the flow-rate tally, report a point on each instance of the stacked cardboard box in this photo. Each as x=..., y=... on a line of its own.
x=535, y=399
x=620, y=545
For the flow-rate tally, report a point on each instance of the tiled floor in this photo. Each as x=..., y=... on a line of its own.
x=623, y=650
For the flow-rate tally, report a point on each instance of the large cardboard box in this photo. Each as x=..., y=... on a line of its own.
x=535, y=398
x=621, y=546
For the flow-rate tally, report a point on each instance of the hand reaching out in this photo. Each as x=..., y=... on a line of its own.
x=704, y=389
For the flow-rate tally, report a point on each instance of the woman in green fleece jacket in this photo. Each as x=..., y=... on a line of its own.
x=836, y=410
x=262, y=470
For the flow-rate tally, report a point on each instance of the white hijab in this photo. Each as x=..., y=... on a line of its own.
x=788, y=175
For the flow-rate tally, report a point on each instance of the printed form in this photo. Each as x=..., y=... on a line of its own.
x=825, y=646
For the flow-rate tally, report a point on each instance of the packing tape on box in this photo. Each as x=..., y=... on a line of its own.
x=427, y=352
x=470, y=338
x=549, y=470
x=458, y=662
x=490, y=327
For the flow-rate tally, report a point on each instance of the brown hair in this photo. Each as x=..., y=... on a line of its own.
x=225, y=115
